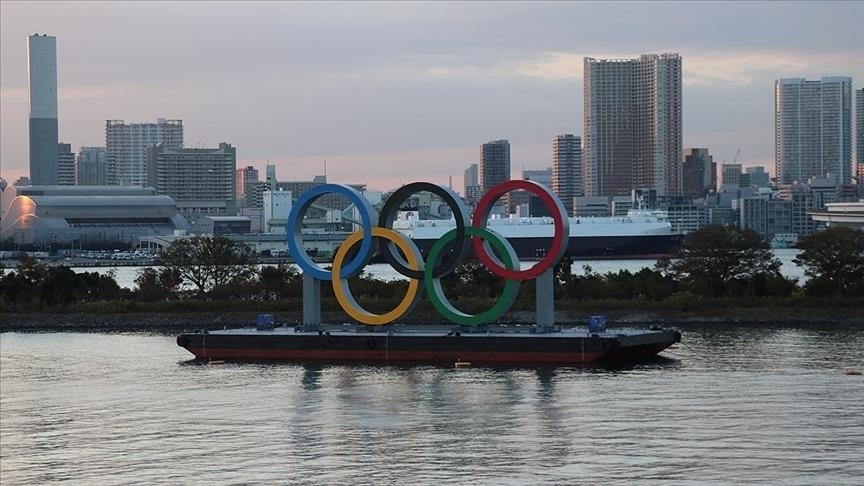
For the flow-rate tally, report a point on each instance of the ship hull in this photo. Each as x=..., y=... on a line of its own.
x=405, y=346
x=586, y=247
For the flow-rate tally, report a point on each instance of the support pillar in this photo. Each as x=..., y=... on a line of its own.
x=311, y=300
x=545, y=299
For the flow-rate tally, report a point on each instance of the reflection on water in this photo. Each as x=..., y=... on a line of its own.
x=726, y=405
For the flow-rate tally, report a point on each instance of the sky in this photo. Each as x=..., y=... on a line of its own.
x=396, y=92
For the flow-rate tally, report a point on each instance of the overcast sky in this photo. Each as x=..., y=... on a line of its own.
x=396, y=92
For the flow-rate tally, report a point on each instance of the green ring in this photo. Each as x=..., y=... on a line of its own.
x=436, y=294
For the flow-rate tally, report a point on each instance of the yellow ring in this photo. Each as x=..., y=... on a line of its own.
x=343, y=292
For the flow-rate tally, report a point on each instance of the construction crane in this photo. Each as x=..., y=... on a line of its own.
x=737, y=153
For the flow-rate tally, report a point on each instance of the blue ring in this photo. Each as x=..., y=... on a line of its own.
x=295, y=234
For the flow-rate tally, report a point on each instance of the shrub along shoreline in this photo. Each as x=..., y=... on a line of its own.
x=719, y=275
x=173, y=321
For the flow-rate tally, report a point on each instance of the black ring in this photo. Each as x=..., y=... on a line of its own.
x=388, y=214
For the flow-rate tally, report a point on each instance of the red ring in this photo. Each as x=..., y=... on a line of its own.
x=559, y=240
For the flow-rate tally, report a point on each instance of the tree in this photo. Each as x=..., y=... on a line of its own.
x=156, y=285
x=23, y=285
x=720, y=261
x=279, y=282
x=60, y=286
x=834, y=261
x=208, y=262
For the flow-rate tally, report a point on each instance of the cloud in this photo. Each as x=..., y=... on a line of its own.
x=705, y=69
x=553, y=66
x=747, y=68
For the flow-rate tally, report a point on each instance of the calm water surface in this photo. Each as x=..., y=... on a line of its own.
x=727, y=406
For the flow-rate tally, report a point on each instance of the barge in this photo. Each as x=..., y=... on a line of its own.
x=521, y=345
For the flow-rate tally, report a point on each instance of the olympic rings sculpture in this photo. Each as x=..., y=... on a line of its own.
x=492, y=249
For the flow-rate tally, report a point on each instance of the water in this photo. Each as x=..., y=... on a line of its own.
x=728, y=406
x=125, y=276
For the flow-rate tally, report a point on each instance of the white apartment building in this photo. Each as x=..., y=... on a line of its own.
x=126, y=146
x=813, y=129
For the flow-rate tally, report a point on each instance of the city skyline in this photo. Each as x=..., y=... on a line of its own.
x=393, y=93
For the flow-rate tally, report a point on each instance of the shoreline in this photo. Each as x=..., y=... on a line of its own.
x=174, y=322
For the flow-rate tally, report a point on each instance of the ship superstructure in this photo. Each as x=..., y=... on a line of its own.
x=640, y=234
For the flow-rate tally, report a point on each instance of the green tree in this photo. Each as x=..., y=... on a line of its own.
x=60, y=286
x=721, y=261
x=279, y=282
x=23, y=285
x=208, y=262
x=157, y=285
x=834, y=261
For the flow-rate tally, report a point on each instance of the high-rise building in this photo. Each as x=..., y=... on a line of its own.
x=494, y=166
x=567, y=180
x=200, y=180
x=471, y=180
x=758, y=176
x=42, y=71
x=730, y=174
x=540, y=176
x=271, y=176
x=245, y=175
x=90, y=166
x=65, y=165
x=813, y=129
x=126, y=145
x=698, y=172
x=859, y=132
x=633, y=125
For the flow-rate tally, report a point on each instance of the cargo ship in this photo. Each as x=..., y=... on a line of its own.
x=519, y=345
x=640, y=234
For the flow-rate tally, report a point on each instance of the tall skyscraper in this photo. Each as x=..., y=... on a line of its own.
x=494, y=166
x=90, y=166
x=244, y=176
x=65, y=165
x=270, y=174
x=42, y=71
x=567, y=180
x=633, y=125
x=859, y=130
x=813, y=129
x=244, y=181
x=200, y=180
x=698, y=172
x=472, y=184
x=126, y=145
